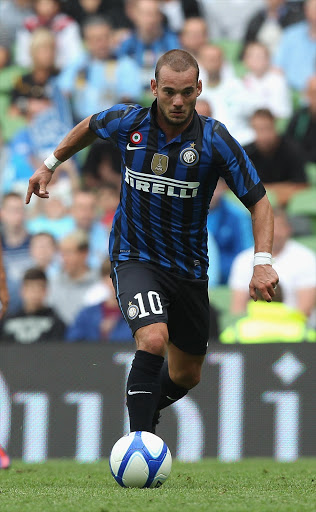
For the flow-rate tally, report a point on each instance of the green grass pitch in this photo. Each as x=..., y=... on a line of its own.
x=254, y=485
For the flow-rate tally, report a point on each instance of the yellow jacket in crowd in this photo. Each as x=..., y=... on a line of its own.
x=269, y=323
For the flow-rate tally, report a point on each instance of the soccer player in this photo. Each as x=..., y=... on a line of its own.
x=172, y=159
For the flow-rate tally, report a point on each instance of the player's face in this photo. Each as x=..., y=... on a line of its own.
x=176, y=95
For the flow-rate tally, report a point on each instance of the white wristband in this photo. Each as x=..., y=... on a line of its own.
x=52, y=163
x=262, y=258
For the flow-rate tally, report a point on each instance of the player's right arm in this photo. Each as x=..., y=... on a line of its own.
x=78, y=138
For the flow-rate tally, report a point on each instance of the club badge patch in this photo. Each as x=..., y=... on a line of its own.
x=132, y=311
x=189, y=156
x=159, y=164
x=136, y=137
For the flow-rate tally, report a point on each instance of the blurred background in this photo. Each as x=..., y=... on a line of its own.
x=61, y=61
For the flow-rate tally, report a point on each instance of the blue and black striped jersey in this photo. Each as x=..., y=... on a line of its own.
x=167, y=187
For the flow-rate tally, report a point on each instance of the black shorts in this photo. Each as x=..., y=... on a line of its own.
x=148, y=294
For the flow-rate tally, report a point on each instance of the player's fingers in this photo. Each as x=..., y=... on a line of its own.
x=252, y=292
x=29, y=192
x=267, y=292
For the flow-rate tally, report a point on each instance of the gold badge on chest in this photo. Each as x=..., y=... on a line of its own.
x=159, y=164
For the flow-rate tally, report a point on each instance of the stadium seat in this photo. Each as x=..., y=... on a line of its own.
x=231, y=51
x=310, y=169
x=308, y=241
x=303, y=203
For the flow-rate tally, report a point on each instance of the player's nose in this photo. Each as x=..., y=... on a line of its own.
x=178, y=100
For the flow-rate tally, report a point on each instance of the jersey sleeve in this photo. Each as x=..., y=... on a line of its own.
x=106, y=124
x=233, y=164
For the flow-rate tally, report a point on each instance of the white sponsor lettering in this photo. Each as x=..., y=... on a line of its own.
x=162, y=185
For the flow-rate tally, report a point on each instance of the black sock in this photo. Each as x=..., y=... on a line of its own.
x=170, y=392
x=143, y=390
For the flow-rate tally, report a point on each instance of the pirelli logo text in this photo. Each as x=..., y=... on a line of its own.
x=161, y=185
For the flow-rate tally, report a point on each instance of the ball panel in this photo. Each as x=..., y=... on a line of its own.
x=136, y=471
x=153, y=443
x=163, y=472
x=119, y=450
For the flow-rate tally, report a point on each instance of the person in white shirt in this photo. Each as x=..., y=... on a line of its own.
x=229, y=99
x=67, y=33
x=266, y=85
x=294, y=263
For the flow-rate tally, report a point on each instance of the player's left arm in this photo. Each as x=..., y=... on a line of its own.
x=264, y=278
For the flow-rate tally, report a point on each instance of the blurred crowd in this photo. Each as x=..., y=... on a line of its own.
x=61, y=61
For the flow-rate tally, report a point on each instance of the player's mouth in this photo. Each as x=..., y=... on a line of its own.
x=177, y=113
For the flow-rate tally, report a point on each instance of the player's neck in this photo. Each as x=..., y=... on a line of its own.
x=171, y=131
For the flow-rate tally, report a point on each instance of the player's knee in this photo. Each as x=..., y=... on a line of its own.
x=186, y=378
x=152, y=338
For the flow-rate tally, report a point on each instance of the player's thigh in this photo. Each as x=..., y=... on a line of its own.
x=140, y=295
x=189, y=317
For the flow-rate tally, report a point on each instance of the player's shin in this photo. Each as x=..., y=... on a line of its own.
x=143, y=390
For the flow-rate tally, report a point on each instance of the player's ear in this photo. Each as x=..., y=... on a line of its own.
x=199, y=87
x=153, y=85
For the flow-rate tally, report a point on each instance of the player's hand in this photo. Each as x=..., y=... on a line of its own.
x=38, y=183
x=264, y=281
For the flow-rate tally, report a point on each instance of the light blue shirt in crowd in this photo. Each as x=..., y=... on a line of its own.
x=96, y=85
x=59, y=228
x=296, y=55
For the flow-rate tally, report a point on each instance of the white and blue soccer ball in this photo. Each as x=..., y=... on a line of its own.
x=140, y=459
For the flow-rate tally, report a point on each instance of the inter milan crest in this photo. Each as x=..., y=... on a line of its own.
x=136, y=137
x=189, y=156
x=159, y=164
x=132, y=311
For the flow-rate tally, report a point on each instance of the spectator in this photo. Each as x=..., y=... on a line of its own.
x=226, y=94
x=302, y=126
x=149, y=39
x=231, y=228
x=296, y=53
x=114, y=10
x=35, y=322
x=54, y=218
x=203, y=108
x=5, y=50
x=278, y=161
x=269, y=323
x=194, y=35
x=227, y=19
x=267, y=24
x=39, y=83
x=102, y=321
x=177, y=11
x=100, y=291
x=84, y=210
x=43, y=250
x=15, y=243
x=108, y=199
x=14, y=12
x=267, y=86
x=48, y=14
x=66, y=291
x=295, y=264
x=102, y=166
x=96, y=80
